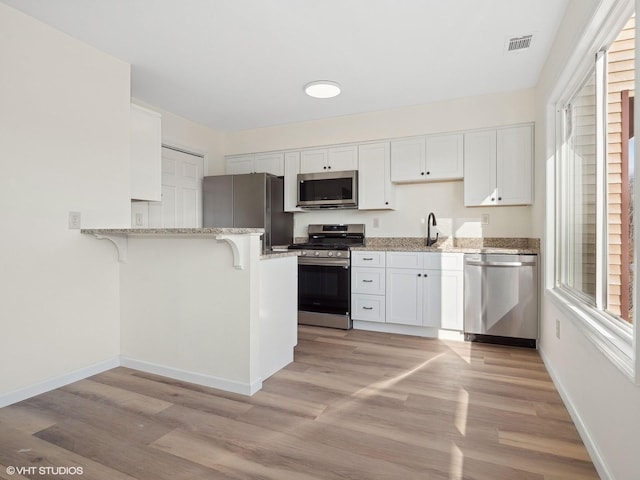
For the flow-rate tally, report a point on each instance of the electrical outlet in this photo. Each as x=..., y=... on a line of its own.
x=376, y=222
x=484, y=219
x=74, y=220
x=557, y=328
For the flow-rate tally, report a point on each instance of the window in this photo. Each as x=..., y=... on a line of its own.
x=594, y=188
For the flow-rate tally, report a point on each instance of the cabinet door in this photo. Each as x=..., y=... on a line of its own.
x=443, y=299
x=146, y=154
x=313, y=161
x=291, y=170
x=272, y=163
x=404, y=296
x=242, y=164
x=342, y=158
x=514, y=165
x=431, y=298
x=444, y=157
x=480, y=168
x=375, y=190
x=408, y=160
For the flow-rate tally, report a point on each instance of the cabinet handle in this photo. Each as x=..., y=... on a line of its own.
x=367, y=308
x=493, y=199
x=324, y=168
x=386, y=203
x=329, y=167
x=428, y=173
x=421, y=173
x=419, y=274
x=367, y=259
x=367, y=281
x=499, y=198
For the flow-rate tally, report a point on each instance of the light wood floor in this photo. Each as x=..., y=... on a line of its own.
x=353, y=405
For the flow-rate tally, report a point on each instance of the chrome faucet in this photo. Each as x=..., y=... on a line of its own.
x=431, y=241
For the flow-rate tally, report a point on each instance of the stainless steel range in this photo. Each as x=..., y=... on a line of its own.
x=324, y=275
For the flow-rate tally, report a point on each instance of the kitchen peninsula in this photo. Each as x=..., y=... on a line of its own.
x=204, y=305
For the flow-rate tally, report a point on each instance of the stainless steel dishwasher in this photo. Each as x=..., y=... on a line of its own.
x=501, y=298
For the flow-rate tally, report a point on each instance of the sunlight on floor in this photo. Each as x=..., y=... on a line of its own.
x=457, y=463
x=461, y=411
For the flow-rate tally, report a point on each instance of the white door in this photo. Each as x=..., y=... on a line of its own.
x=181, y=205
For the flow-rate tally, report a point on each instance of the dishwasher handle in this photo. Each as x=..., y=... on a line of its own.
x=500, y=264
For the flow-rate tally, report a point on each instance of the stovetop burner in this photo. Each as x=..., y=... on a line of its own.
x=314, y=246
x=332, y=237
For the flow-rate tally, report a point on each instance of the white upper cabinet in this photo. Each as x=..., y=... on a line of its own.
x=291, y=170
x=407, y=160
x=375, y=190
x=514, y=165
x=444, y=157
x=272, y=163
x=329, y=159
x=146, y=154
x=427, y=158
x=241, y=164
x=480, y=168
x=498, y=166
x=269, y=163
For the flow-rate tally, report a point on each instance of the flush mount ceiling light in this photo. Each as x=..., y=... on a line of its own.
x=322, y=89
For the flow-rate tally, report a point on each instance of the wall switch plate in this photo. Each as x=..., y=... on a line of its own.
x=484, y=219
x=74, y=220
x=376, y=222
x=139, y=222
x=557, y=328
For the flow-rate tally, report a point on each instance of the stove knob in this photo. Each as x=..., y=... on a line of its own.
x=330, y=254
x=338, y=254
x=303, y=253
x=317, y=254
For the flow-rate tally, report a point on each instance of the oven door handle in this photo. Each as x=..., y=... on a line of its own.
x=342, y=262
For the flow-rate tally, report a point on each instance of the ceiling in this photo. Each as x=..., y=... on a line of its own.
x=242, y=64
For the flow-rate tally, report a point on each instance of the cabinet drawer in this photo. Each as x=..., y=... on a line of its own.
x=404, y=260
x=370, y=308
x=443, y=261
x=367, y=280
x=367, y=259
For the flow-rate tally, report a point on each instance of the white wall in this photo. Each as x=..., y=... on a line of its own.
x=64, y=146
x=603, y=401
x=187, y=311
x=414, y=202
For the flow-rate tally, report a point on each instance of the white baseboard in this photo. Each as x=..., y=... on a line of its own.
x=592, y=448
x=57, y=382
x=428, y=332
x=192, y=377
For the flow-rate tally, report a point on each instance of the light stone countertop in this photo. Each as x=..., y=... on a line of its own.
x=171, y=231
x=453, y=245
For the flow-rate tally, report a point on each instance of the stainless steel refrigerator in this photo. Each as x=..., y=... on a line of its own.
x=254, y=200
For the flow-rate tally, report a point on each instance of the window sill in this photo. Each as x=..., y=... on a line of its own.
x=614, y=341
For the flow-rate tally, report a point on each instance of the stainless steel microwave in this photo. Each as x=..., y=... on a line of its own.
x=328, y=189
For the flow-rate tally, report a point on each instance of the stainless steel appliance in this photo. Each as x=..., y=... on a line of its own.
x=324, y=275
x=501, y=299
x=253, y=200
x=328, y=189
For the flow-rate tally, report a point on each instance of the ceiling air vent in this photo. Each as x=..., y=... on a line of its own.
x=516, y=44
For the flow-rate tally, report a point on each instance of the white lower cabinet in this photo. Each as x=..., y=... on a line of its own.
x=426, y=291
x=369, y=308
x=368, y=286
